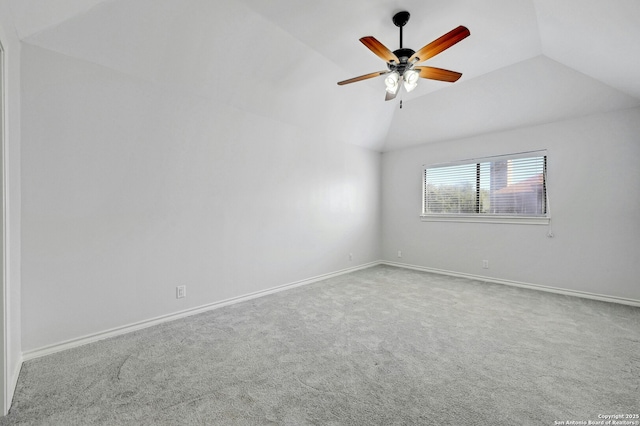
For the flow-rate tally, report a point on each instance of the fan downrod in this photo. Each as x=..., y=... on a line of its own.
x=400, y=19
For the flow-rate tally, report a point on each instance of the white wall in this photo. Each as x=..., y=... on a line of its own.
x=594, y=179
x=131, y=188
x=11, y=46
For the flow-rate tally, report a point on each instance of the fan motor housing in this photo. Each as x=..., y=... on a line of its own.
x=403, y=54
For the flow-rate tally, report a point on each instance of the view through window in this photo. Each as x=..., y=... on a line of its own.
x=511, y=185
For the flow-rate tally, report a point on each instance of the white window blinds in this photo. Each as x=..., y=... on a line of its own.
x=511, y=185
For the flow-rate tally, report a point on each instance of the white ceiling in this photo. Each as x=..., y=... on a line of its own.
x=526, y=62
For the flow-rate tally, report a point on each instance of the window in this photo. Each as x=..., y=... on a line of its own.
x=510, y=188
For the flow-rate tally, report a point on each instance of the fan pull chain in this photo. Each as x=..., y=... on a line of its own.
x=400, y=103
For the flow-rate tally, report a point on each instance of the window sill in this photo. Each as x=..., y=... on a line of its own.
x=522, y=220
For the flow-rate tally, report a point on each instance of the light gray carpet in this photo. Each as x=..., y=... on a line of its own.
x=381, y=346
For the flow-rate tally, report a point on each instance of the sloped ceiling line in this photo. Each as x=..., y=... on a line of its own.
x=269, y=56
x=36, y=16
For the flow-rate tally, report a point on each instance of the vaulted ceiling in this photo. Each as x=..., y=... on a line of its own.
x=526, y=62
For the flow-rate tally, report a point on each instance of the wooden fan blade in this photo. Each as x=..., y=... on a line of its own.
x=391, y=95
x=441, y=44
x=362, y=77
x=379, y=49
x=438, y=74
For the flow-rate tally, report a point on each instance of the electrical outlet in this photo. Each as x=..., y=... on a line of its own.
x=485, y=264
x=399, y=253
x=350, y=256
x=181, y=291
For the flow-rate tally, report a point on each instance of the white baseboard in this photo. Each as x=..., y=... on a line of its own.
x=12, y=383
x=57, y=347
x=576, y=293
x=94, y=337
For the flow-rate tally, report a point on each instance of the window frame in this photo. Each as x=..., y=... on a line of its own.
x=488, y=217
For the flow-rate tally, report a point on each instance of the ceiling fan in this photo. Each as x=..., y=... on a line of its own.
x=401, y=63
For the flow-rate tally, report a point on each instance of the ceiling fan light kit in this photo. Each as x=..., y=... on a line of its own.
x=410, y=78
x=401, y=63
x=392, y=82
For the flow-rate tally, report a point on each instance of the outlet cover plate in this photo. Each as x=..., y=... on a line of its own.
x=181, y=291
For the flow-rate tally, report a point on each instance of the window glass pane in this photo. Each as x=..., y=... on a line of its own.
x=501, y=186
x=516, y=187
x=451, y=189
